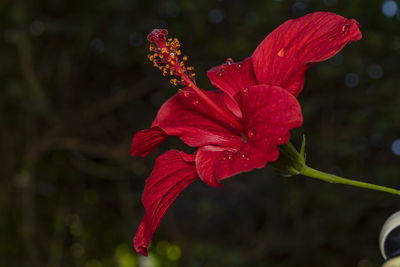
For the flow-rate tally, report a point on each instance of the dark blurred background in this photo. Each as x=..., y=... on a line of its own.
x=76, y=85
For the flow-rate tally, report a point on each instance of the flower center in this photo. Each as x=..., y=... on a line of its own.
x=167, y=57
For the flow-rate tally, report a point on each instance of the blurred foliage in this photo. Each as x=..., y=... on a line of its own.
x=76, y=85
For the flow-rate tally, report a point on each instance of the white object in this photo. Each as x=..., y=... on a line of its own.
x=391, y=223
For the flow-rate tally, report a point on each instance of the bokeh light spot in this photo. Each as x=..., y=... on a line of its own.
x=172, y=9
x=174, y=252
x=36, y=28
x=375, y=71
x=351, y=80
x=124, y=256
x=76, y=226
x=396, y=147
x=389, y=8
x=136, y=39
x=162, y=247
x=97, y=45
x=149, y=261
x=299, y=8
x=216, y=16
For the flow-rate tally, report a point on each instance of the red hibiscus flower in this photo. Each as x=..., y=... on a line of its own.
x=238, y=127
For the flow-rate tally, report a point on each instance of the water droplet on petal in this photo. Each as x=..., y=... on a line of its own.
x=172, y=54
x=229, y=61
x=243, y=155
x=251, y=133
x=239, y=66
x=245, y=90
x=281, y=52
x=222, y=69
x=279, y=139
x=220, y=74
x=247, y=158
x=345, y=28
x=228, y=156
x=186, y=94
x=196, y=102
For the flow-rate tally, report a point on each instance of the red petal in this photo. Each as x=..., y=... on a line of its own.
x=269, y=113
x=172, y=173
x=146, y=141
x=284, y=55
x=188, y=117
x=231, y=78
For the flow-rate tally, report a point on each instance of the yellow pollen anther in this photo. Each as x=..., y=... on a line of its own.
x=167, y=57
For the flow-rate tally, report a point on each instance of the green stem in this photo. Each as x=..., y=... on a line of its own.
x=330, y=178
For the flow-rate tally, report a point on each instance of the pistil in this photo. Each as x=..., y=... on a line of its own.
x=168, y=58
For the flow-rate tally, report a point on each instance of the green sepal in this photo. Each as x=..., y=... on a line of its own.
x=303, y=148
x=290, y=161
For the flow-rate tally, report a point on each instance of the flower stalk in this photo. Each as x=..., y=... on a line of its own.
x=292, y=162
x=330, y=178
